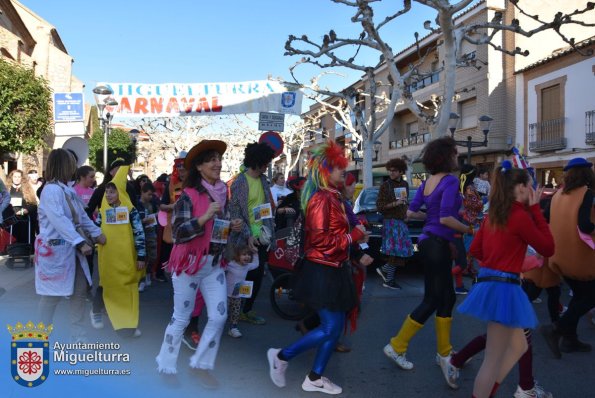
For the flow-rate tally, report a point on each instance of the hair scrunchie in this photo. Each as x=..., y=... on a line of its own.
x=505, y=166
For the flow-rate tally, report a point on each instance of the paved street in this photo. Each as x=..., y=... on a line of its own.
x=242, y=366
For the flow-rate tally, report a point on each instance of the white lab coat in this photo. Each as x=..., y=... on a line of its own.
x=55, y=263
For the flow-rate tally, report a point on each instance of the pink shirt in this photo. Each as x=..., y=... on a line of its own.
x=83, y=193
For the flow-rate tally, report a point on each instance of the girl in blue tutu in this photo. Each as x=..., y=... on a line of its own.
x=514, y=221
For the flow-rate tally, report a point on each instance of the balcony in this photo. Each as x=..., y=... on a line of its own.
x=590, y=127
x=416, y=139
x=547, y=135
x=426, y=81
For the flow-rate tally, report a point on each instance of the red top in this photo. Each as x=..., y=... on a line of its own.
x=505, y=249
x=328, y=235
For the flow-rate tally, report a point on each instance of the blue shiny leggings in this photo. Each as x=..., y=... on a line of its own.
x=324, y=337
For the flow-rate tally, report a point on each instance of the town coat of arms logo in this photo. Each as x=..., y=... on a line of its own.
x=288, y=99
x=30, y=353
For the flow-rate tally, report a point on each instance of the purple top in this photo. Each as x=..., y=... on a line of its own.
x=444, y=201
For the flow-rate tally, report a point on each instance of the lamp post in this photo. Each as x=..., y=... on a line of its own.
x=354, y=155
x=377, y=146
x=484, y=126
x=103, y=99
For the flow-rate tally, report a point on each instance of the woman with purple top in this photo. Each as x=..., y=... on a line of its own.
x=440, y=193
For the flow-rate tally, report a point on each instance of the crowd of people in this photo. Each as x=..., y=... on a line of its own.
x=212, y=239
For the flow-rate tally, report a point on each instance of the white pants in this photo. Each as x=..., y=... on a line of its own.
x=211, y=282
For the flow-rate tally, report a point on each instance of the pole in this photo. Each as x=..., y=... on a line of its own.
x=105, y=170
x=469, y=145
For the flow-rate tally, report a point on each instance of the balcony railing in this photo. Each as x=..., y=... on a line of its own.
x=590, y=127
x=426, y=81
x=413, y=140
x=547, y=135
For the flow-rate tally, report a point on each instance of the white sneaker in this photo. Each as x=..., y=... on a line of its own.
x=277, y=367
x=450, y=372
x=536, y=392
x=141, y=286
x=148, y=280
x=451, y=354
x=96, y=319
x=399, y=359
x=137, y=333
x=321, y=385
x=235, y=333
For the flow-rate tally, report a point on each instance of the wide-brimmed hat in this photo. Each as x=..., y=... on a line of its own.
x=577, y=162
x=203, y=146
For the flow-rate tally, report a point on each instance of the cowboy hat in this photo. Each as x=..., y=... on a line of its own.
x=203, y=146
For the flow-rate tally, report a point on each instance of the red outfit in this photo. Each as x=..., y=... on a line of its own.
x=327, y=229
x=505, y=249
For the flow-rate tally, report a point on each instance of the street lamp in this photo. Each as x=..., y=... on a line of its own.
x=377, y=146
x=102, y=99
x=354, y=155
x=484, y=126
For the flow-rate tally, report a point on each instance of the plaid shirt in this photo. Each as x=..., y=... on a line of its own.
x=185, y=227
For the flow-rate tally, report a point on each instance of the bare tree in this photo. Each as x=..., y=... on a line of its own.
x=335, y=51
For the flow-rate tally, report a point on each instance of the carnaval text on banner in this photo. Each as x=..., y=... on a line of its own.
x=195, y=99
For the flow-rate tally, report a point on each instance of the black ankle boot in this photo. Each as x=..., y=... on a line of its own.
x=573, y=344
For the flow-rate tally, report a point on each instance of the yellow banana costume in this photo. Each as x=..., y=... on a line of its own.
x=118, y=274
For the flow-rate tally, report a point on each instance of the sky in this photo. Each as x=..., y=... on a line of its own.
x=197, y=41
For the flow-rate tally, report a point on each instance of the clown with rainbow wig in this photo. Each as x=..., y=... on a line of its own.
x=323, y=281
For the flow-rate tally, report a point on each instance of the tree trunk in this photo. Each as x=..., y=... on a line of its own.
x=367, y=169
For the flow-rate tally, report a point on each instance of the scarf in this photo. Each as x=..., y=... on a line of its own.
x=218, y=191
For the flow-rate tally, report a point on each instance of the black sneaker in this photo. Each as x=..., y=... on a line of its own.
x=191, y=341
x=392, y=285
x=382, y=274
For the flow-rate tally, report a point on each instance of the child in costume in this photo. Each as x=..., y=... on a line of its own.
x=237, y=269
x=147, y=208
x=122, y=259
x=514, y=221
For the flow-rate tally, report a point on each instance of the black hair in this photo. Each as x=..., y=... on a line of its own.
x=111, y=185
x=438, y=155
x=148, y=187
x=258, y=155
x=83, y=171
x=162, y=178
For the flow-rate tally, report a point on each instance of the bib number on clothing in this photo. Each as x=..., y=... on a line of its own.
x=220, y=231
x=117, y=215
x=263, y=211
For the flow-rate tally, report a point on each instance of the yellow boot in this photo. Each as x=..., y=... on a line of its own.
x=443, y=325
x=400, y=342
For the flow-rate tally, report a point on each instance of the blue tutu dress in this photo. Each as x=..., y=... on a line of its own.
x=502, y=302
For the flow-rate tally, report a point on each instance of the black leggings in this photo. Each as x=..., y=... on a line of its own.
x=583, y=299
x=256, y=276
x=439, y=294
x=553, y=297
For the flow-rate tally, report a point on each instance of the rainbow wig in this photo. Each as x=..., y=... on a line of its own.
x=323, y=159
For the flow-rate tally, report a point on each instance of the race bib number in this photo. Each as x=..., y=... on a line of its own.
x=220, y=231
x=263, y=211
x=117, y=215
x=16, y=202
x=243, y=289
x=401, y=193
x=151, y=220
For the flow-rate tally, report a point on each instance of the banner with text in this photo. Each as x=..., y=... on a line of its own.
x=196, y=99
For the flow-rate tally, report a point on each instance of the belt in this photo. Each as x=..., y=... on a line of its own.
x=505, y=279
x=55, y=242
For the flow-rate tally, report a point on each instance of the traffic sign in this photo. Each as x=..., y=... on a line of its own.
x=271, y=121
x=273, y=140
x=69, y=107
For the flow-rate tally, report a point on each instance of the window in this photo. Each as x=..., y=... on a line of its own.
x=411, y=129
x=550, y=103
x=468, y=113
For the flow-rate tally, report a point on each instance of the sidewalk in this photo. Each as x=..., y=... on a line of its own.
x=14, y=278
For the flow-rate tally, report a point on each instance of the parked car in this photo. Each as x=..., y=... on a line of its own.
x=365, y=208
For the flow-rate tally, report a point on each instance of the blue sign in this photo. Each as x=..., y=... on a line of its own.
x=69, y=107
